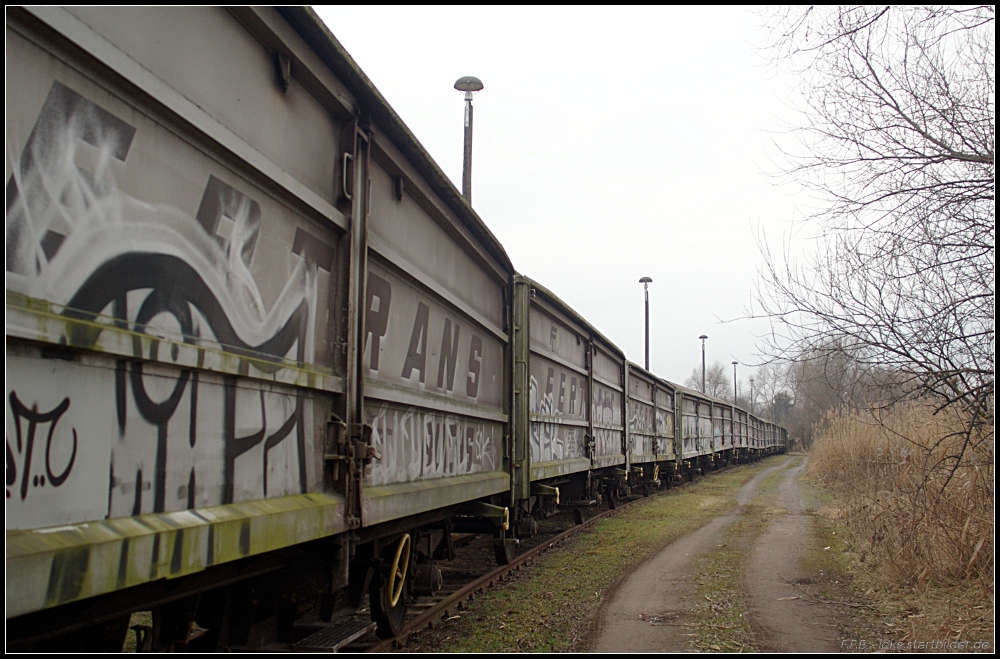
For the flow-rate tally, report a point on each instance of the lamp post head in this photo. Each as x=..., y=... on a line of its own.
x=703, y=337
x=470, y=85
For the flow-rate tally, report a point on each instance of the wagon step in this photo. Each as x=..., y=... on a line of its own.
x=333, y=636
x=583, y=503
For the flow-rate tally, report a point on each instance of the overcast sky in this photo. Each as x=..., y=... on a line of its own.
x=609, y=144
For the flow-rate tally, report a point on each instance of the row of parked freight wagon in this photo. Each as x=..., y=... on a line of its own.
x=263, y=359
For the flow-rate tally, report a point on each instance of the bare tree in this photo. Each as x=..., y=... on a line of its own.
x=717, y=382
x=770, y=380
x=898, y=140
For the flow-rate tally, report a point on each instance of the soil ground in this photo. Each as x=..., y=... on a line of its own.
x=656, y=608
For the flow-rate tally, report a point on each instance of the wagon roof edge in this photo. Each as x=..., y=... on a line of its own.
x=320, y=38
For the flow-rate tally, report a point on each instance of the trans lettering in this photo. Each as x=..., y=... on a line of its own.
x=378, y=301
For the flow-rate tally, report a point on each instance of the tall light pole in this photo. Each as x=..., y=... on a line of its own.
x=470, y=85
x=703, y=337
x=751, y=397
x=734, y=383
x=732, y=425
x=646, y=281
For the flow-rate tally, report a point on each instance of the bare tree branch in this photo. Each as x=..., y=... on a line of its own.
x=898, y=139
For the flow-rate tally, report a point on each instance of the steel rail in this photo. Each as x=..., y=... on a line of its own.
x=467, y=592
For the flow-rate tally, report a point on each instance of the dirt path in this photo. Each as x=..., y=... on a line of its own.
x=776, y=576
x=645, y=613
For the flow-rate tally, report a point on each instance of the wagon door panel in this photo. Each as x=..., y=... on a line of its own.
x=642, y=418
x=608, y=403
x=665, y=435
x=433, y=359
x=558, y=395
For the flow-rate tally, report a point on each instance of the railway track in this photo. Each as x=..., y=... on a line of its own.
x=463, y=582
x=470, y=574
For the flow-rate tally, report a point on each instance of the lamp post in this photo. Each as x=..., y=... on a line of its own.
x=751, y=397
x=703, y=337
x=734, y=383
x=470, y=85
x=732, y=426
x=646, y=281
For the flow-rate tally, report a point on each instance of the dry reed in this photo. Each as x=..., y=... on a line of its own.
x=917, y=492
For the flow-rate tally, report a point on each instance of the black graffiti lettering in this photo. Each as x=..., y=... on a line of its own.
x=313, y=251
x=121, y=390
x=159, y=271
x=45, y=194
x=137, y=500
x=191, y=489
x=416, y=355
x=448, y=449
x=562, y=392
x=550, y=382
x=11, y=469
x=160, y=413
x=227, y=215
x=25, y=442
x=379, y=294
x=438, y=450
x=236, y=446
x=572, y=396
x=56, y=481
x=66, y=117
x=164, y=272
x=475, y=366
x=193, y=422
x=428, y=444
x=449, y=355
x=293, y=421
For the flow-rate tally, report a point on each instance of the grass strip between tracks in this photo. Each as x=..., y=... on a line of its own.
x=551, y=604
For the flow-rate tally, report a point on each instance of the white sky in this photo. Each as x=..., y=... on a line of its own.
x=609, y=144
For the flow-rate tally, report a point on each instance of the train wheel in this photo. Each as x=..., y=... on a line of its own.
x=387, y=593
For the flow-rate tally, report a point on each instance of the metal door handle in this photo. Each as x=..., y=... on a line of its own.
x=343, y=176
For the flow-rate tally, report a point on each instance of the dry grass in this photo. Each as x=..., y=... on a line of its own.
x=552, y=603
x=917, y=493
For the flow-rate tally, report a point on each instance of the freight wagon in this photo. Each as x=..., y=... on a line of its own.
x=263, y=359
